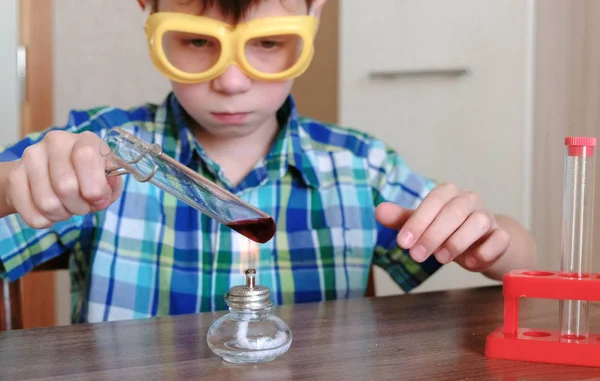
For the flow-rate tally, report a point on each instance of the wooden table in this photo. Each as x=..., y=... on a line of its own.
x=434, y=336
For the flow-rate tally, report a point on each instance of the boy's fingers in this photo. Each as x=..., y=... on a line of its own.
x=486, y=253
x=477, y=225
x=444, y=225
x=114, y=182
x=391, y=215
x=116, y=186
x=35, y=161
x=22, y=202
x=89, y=166
x=63, y=177
x=423, y=216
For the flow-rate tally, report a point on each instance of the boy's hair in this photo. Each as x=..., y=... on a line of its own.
x=233, y=9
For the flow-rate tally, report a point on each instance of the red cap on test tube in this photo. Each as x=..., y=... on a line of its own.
x=580, y=145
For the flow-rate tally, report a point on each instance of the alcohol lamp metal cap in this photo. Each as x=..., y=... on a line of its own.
x=249, y=296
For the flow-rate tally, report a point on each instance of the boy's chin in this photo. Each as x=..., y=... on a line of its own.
x=231, y=132
x=227, y=131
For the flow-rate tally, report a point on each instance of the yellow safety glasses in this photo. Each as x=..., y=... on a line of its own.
x=190, y=49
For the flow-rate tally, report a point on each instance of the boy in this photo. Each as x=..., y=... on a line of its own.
x=341, y=199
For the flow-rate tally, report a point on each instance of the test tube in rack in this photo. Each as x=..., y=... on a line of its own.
x=577, y=233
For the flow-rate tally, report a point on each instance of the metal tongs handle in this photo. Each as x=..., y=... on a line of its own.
x=117, y=170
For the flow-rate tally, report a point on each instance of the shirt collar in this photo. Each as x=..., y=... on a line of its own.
x=299, y=145
x=290, y=150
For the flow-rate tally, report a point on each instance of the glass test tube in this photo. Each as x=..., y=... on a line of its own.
x=146, y=162
x=577, y=229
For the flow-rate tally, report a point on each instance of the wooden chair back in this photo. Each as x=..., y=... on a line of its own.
x=11, y=303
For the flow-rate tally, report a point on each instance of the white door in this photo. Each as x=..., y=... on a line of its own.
x=446, y=83
x=9, y=91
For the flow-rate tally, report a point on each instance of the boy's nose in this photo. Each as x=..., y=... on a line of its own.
x=232, y=81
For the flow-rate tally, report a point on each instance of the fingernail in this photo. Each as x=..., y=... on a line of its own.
x=419, y=253
x=405, y=239
x=471, y=262
x=443, y=256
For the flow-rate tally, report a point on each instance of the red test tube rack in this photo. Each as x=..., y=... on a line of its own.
x=511, y=342
x=574, y=286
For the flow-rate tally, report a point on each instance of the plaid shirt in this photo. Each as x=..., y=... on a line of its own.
x=150, y=254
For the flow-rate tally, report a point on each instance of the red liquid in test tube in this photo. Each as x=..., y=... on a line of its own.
x=577, y=230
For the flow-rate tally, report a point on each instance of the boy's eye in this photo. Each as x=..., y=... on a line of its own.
x=267, y=44
x=199, y=42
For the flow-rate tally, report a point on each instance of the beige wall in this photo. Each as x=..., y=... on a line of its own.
x=567, y=94
x=101, y=58
x=9, y=101
x=473, y=128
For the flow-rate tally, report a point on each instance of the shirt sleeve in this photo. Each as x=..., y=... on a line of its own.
x=394, y=181
x=21, y=247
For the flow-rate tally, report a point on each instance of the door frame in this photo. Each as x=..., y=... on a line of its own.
x=38, y=290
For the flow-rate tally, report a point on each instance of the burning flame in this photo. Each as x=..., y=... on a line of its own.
x=248, y=254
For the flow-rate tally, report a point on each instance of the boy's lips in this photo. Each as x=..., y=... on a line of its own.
x=230, y=117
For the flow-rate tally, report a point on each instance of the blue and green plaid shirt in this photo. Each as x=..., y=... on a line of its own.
x=150, y=254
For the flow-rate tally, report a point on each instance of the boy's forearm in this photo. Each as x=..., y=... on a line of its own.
x=5, y=168
x=520, y=254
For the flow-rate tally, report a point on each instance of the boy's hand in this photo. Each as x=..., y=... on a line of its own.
x=450, y=223
x=61, y=176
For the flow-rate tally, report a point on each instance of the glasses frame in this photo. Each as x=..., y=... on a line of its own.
x=233, y=41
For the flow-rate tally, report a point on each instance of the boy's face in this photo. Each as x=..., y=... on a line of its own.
x=233, y=104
